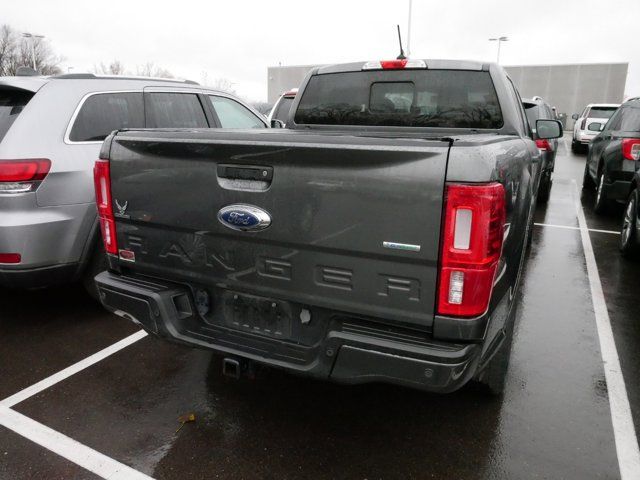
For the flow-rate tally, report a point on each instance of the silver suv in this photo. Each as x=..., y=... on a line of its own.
x=51, y=130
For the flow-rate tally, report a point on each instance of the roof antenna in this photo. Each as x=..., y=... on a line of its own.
x=401, y=56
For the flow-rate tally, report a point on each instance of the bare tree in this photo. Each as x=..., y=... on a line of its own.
x=149, y=69
x=263, y=107
x=223, y=84
x=114, y=68
x=7, y=49
x=17, y=51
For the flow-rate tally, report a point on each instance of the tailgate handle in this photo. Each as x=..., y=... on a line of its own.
x=246, y=172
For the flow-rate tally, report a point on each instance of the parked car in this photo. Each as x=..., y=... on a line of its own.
x=379, y=237
x=630, y=231
x=537, y=108
x=592, y=113
x=614, y=156
x=51, y=130
x=280, y=110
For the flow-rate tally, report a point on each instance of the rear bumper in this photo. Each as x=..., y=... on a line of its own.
x=38, y=277
x=618, y=185
x=584, y=137
x=50, y=240
x=349, y=350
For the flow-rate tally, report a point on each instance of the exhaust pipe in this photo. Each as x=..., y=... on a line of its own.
x=231, y=368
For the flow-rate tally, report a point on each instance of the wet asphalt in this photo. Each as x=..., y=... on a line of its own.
x=553, y=422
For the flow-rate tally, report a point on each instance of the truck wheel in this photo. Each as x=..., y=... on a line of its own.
x=575, y=147
x=97, y=263
x=545, y=188
x=494, y=374
x=629, y=246
x=601, y=203
x=587, y=181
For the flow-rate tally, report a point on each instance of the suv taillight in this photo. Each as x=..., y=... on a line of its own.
x=23, y=176
x=583, y=125
x=102, y=182
x=631, y=148
x=471, y=247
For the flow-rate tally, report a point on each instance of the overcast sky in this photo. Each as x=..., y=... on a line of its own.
x=239, y=39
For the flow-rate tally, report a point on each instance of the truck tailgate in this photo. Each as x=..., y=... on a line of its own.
x=354, y=221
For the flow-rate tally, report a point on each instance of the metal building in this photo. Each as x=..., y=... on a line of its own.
x=568, y=87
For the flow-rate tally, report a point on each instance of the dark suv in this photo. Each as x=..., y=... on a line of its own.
x=630, y=231
x=536, y=108
x=613, y=156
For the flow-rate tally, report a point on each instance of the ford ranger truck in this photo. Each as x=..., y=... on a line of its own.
x=379, y=237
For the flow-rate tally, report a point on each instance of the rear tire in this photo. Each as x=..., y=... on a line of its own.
x=493, y=376
x=97, y=263
x=545, y=188
x=601, y=203
x=587, y=181
x=576, y=147
x=629, y=246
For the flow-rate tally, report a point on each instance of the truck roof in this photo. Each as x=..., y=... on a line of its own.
x=434, y=64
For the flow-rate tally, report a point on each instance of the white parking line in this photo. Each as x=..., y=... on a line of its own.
x=73, y=369
x=613, y=232
x=68, y=448
x=623, y=429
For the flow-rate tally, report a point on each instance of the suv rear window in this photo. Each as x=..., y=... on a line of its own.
x=282, y=110
x=536, y=111
x=403, y=98
x=103, y=113
x=533, y=113
x=11, y=104
x=601, y=112
x=175, y=110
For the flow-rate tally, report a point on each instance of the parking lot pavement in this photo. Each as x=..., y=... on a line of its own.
x=555, y=420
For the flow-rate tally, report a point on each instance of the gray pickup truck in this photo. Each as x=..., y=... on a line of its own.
x=378, y=238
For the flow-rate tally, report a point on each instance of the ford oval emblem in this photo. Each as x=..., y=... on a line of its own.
x=247, y=218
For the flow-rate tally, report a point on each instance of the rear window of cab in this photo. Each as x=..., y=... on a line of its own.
x=402, y=98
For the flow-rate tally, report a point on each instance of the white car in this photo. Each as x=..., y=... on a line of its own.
x=280, y=110
x=592, y=113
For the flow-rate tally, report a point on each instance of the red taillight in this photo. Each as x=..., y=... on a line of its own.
x=10, y=258
x=631, y=148
x=102, y=182
x=393, y=64
x=471, y=247
x=22, y=176
x=583, y=125
x=397, y=64
x=543, y=145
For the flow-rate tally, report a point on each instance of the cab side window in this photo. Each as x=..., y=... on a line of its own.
x=234, y=115
x=103, y=113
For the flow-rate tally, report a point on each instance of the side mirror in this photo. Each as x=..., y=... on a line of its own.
x=575, y=116
x=595, y=127
x=547, y=129
x=275, y=123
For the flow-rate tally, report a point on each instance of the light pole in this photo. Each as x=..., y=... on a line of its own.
x=499, y=40
x=33, y=46
x=409, y=31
